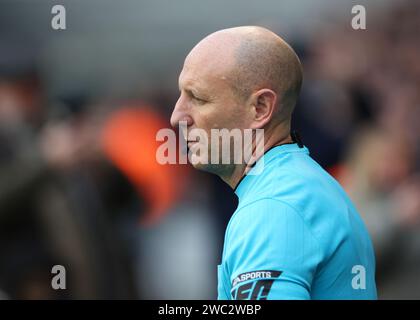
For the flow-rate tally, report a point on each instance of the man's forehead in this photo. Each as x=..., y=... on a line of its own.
x=202, y=76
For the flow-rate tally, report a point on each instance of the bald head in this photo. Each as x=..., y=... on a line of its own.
x=251, y=58
x=235, y=80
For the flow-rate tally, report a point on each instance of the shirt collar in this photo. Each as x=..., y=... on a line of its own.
x=258, y=169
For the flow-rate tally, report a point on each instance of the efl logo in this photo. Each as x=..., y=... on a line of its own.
x=254, y=290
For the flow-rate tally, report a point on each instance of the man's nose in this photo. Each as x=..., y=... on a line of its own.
x=180, y=114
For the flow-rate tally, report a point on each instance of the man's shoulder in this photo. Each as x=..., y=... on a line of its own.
x=300, y=185
x=262, y=211
x=313, y=196
x=294, y=180
x=290, y=183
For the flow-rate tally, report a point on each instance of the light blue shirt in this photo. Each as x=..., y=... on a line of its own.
x=295, y=235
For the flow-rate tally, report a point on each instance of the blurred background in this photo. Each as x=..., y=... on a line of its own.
x=79, y=112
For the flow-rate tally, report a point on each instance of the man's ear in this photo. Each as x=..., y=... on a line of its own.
x=264, y=103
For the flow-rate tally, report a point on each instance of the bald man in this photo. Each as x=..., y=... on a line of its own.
x=295, y=234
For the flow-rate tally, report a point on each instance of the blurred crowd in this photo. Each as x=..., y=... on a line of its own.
x=80, y=187
x=359, y=114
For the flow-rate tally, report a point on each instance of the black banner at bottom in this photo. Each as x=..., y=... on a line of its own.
x=197, y=309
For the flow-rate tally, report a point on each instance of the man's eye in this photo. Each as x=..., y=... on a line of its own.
x=198, y=99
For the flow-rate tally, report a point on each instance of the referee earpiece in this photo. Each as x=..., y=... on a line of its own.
x=296, y=138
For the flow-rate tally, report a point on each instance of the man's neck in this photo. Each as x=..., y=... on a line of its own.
x=242, y=169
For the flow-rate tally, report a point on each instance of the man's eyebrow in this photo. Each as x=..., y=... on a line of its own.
x=193, y=90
